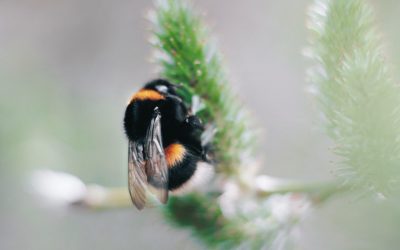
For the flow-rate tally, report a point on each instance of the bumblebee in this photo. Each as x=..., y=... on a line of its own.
x=165, y=153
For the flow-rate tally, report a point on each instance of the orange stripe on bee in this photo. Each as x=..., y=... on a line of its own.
x=146, y=94
x=174, y=154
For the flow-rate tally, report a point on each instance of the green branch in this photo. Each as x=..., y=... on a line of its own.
x=357, y=96
x=187, y=57
x=102, y=198
x=253, y=223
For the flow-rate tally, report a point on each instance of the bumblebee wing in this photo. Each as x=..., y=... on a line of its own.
x=156, y=165
x=137, y=179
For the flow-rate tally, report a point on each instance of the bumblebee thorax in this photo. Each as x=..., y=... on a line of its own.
x=147, y=94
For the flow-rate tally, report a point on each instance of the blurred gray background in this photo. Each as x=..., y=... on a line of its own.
x=67, y=68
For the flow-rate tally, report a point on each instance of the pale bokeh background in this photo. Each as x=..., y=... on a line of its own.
x=67, y=68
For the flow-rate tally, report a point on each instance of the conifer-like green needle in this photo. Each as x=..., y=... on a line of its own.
x=187, y=57
x=358, y=98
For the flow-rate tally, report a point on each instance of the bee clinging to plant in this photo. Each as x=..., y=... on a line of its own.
x=165, y=150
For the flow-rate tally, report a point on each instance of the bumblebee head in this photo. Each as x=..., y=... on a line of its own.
x=162, y=86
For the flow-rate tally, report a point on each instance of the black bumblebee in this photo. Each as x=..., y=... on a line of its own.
x=165, y=148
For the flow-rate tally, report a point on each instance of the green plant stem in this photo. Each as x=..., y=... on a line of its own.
x=98, y=197
x=319, y=192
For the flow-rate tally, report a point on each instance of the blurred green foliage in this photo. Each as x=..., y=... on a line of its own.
x=357, y=95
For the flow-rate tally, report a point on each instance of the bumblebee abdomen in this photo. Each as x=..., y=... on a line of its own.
x=181, y=165
x=174, y=154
